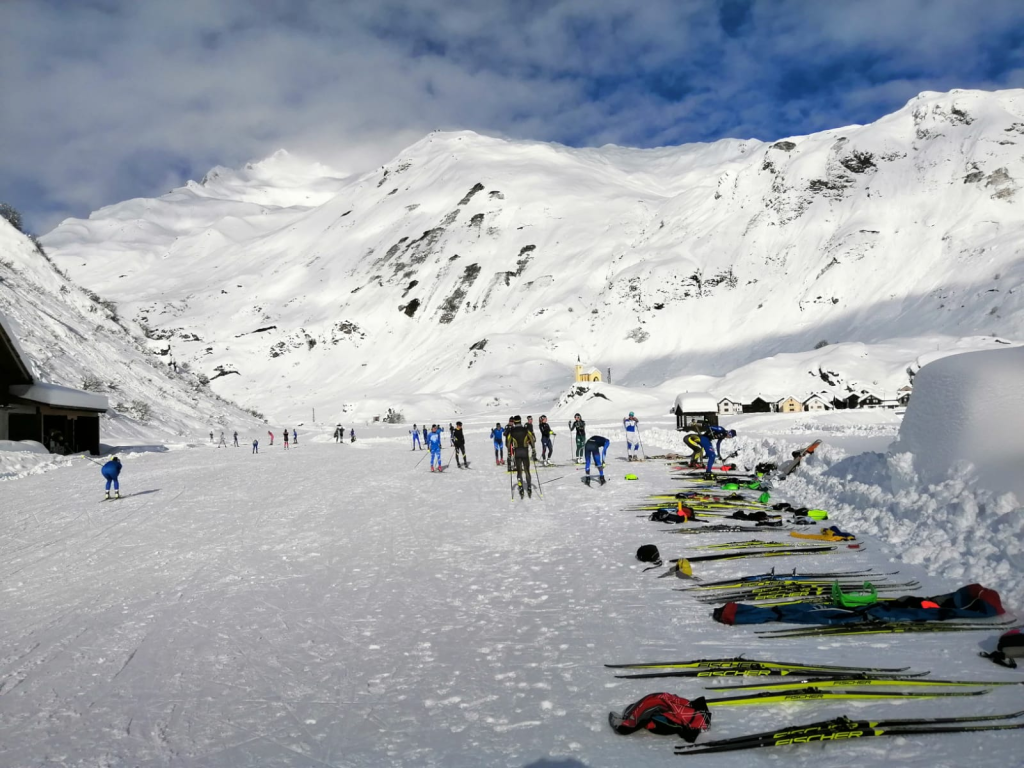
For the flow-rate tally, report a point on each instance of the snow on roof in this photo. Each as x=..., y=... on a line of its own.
x=696, y=402
x=60, y=397
x=591, y=369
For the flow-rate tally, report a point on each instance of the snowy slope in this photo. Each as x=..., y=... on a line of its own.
x=73, y=339
x=473, y=268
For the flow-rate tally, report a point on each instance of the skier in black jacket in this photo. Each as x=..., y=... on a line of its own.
x=459, y=441
x=547, y=451
x=520, y=443
x=580, y=426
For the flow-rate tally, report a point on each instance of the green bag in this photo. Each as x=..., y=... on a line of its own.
x=854, y=599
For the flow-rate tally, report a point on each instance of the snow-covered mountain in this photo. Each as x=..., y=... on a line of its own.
x=78, y=340
x=472, y=271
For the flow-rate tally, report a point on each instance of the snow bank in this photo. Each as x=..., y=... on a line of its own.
x=21, y=458
x=968, y=408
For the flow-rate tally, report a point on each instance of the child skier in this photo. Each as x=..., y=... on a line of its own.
x=236, y=439
x=632, y=437
x=111, y=470
x=223, y=443
x=415, y=432
x=596, y=449
x=352, y=435
x=295, y=437
x=547, y=452
x=271, y=436
x=497, y=434
x=255, y=445
x=459, y=441
x=286, y=438
x=580, y=427
x=434, y=444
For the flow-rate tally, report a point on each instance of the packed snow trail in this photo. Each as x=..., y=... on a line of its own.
x=333, y=606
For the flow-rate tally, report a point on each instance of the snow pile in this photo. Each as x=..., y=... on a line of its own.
x=969, y=408
x=20, y=458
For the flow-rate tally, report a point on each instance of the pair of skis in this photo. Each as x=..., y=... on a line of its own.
x=885, y=628
x=845, y=729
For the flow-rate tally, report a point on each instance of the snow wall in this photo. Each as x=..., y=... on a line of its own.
x=969, y=408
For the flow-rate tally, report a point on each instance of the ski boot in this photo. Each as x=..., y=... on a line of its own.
x=601, y=480
x=586, y=480
x=529, y=491
x=106, y=496
x=708, y=476
x=117, y=494
x=521, y=492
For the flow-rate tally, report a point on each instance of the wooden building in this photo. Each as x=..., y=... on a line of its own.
x=695, y=408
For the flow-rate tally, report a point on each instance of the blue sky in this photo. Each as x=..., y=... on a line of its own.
x=103, y=100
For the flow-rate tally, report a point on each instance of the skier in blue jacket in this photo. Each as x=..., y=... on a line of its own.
x=498, y=437
x=596, y=448
x=710, y=433
x=434, y=444
x=111, y=470
x=415, y=432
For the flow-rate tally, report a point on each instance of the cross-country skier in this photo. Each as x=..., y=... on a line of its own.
x=255, y=445
x=520, y=445
x=708, y=434
x=425, y=434
x=459, y=441
x=596, y=449
x=211, y=437
x=111, y=470
x=223, y=443
x=295, y=437
x=547, y=451
x=497, y=437
x=692, y=441
x=271, y=436
x=580, y=427
x=286, y=438
x=415, y=432
x=352, y=435
x=529, y=427
x=451, y=433
x=236, y=439
x=339, y=433
x=434, y=444
x=632, y=438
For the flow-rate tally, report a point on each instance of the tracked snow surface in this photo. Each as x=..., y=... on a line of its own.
x=339, y=605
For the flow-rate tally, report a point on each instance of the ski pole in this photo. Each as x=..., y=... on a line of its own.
x=427, y=453
x=540, y=488
x=97, y=463
x=640, y=442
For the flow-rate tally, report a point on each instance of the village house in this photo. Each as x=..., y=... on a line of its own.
x=758, y=405
x=729, y=407
x=789, y=405
x=817, y=403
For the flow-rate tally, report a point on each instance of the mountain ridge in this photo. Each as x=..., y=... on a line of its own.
x=469, y=259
